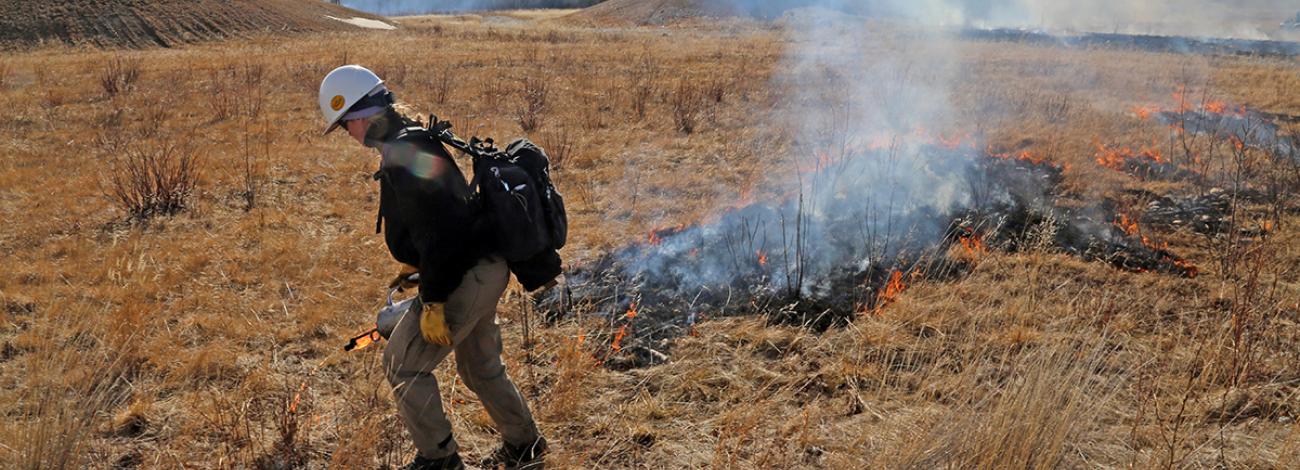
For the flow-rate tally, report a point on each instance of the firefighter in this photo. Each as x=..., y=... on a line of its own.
x=430, y=229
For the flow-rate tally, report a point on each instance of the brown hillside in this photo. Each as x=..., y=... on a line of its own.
x=146, y=23
x=652, y=12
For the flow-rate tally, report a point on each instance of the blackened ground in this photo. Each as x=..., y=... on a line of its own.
x=1174, y=44
x=653, y=291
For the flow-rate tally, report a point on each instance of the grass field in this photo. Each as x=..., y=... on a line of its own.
x=212, y=338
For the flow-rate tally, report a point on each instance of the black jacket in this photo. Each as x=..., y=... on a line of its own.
x=424, y=213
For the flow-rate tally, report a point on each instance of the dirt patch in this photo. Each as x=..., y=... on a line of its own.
x=139, y=23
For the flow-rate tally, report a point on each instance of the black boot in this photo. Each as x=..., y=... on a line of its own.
x=525, y=457
x=450, y=462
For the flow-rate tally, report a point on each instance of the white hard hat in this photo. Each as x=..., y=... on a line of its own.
x=341, y=89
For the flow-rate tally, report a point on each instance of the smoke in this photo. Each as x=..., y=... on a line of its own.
x=874, y=188
x=1245, y=19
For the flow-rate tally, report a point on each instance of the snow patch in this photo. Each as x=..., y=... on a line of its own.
x=364, y=22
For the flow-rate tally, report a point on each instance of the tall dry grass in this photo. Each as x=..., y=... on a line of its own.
x=212, y=337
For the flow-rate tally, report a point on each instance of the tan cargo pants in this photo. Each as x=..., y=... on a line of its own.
x=410, y=360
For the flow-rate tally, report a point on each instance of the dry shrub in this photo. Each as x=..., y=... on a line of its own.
x=559, y=146
x=493, y=89
x=307, y=75
x=687, y=102
x=444, y=76
x=715, y=88
x=532, y=107
x=642, y=85
x=250, y=78
x=4, y=73
x=119, y=75
x=157, y=180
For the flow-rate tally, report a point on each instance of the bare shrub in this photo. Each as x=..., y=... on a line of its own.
x=394, y=75
x=443, y=78
x=153, y=181
x=716, y=87
x=306, y=74
x=223, y=99
x=687, y=102
x=642, y=85
x=119, y=75
x=559, y=146
x=532, y=106
x=493, y=90
x=251, y=77
x=252, y=168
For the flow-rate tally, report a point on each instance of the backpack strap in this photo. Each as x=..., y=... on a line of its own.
x=380, y=176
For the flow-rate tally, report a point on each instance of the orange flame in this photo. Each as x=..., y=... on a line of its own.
x=1024, y=156
x=617, y=344
x=1128, y=225
x=1112, y=158
x=891, y=292
x=973, y=245
x=654, y=239
x=1187, y=267
x=1144, y=112
x=297, y=398
x=1115, y=158
x=762, y=258
x=1216, y=107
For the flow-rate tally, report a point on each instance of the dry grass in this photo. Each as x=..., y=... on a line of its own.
x=185, y=342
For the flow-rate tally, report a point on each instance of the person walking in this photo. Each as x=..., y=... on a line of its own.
x=430, y=229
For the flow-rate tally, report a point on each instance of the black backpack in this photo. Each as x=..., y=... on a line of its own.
x=515, y=193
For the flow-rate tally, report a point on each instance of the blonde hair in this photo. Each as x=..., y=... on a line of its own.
x=396, y=114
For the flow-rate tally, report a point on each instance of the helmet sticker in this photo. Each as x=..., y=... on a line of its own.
x=336, y=103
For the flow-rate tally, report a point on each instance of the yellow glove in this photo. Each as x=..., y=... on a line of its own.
x=433, y=324
x=402, y=281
